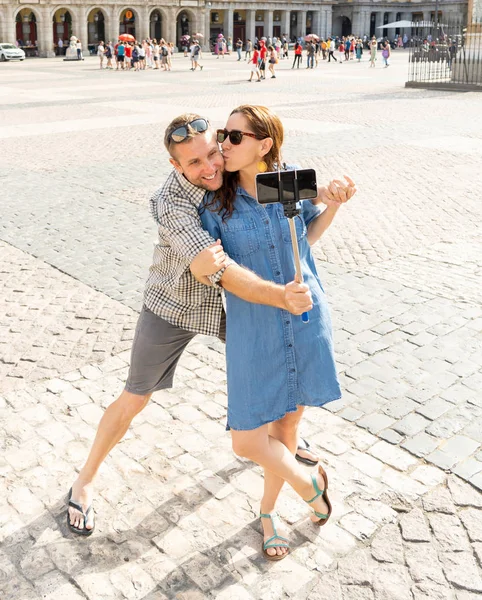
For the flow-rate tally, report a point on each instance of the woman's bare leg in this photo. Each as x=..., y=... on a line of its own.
x=271, y=454
x=286, y=431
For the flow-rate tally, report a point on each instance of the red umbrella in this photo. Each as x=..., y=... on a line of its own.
x=198, y=35
x=311, y=37
x=127, y=37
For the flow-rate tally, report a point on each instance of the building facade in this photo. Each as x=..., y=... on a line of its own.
x=39, y=24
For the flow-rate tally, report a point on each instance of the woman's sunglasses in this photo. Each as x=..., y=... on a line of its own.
x=235, y=136
x=181, y=133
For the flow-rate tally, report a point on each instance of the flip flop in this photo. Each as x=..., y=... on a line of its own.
x=304, y=445
x=84, y=531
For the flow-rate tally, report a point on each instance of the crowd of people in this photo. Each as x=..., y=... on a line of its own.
x=147, y=54
x=262, y=55
x=269, y=52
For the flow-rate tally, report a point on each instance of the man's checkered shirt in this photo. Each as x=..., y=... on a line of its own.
x=171, y=290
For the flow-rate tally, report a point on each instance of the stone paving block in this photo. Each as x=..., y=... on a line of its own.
x=366, y=464
x=428, y=475
x=374, y=510
x=392, y=581
x=438, y=500
x=423, y=563
x=399, y=408
x=434, y=408
x=472, y=521
x=421, y=444
x=411, y=424
x=204, y=572
x=387, y=545
x=449, y=533
x=468, y=468
x=358, y=525
x=476, y=480
x=414, y=527
x=375, y=422
x=453, y=451
x=358, y=569
x=350, y=414
x=390, y=436
x=427, y=590
x=392, y=456
x=403, y=484
x=461, y=570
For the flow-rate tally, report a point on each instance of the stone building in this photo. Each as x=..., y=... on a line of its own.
x=39, y=24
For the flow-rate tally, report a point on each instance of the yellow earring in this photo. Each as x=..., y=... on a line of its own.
x=262, y=167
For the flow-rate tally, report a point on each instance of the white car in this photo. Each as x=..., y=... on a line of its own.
x=11, y=52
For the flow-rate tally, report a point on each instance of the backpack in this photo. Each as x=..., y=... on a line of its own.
x=164, y=51
x=135, y=53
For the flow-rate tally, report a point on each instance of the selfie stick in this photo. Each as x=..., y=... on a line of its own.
x=291, y=210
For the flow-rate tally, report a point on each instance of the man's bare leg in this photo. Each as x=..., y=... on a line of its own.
x=111, y=430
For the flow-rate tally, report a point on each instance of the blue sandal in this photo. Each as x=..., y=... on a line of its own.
x=269, y=542
x=323, y=518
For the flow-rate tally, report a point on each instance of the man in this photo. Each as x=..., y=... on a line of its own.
x=176, y=306
x=239, y=48
x=120, y=51
x=310, y=54
x=263, y=51
x=195, y=56
x=249, y=50
x=331, y=50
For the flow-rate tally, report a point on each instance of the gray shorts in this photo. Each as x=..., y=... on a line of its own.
x=156, y=350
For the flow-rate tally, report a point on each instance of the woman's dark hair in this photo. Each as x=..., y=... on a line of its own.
x=265, y=124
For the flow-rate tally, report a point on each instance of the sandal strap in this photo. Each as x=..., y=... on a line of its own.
x=317, y=490
x=269, y=542
x=321, y=515
x=80, y=509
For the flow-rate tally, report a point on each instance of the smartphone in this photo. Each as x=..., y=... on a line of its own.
x=267, y=185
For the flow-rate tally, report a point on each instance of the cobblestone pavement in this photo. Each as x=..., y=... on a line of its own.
x=176, y=510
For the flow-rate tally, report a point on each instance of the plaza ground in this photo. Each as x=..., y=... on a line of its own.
x=81, y=151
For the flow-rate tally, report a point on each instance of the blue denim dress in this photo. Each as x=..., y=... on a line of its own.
x=275, y=362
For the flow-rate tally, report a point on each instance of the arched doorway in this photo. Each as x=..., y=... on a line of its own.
x=95, y=27
x=183, y=25
x=62, y=29
x=346, y=26
x=155, y=25
x=26, y=29
x=127, y=22
x=342, y=26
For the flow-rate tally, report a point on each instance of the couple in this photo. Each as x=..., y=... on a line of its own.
x=276, y=364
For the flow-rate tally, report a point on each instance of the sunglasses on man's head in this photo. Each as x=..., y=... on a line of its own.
x=181, y=133
x=235, y=136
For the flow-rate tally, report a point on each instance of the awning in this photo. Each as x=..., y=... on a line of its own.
x=407, y=24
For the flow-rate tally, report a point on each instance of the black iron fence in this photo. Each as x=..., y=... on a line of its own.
x=446, y=56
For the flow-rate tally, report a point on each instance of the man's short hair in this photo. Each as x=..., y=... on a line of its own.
x=181, y=121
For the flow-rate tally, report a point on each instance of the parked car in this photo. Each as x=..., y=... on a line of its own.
x=11, y=52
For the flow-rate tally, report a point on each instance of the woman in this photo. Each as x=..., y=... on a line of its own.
x=297, y=58
x=254, y=64
x=109, y=51
x=276, y=364
x=272, y=60
x=100, y=54
x=359, y=49
x=386, y=54
x=156, y=51
x=135, y=61
x=373, y=52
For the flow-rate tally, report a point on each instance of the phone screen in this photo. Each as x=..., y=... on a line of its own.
x=267, y=187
